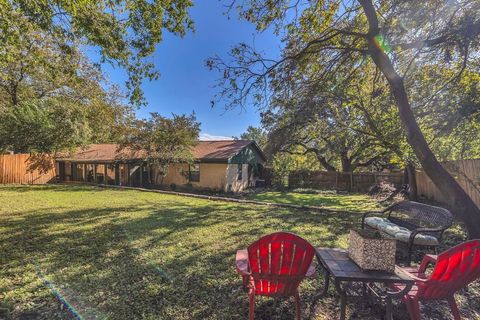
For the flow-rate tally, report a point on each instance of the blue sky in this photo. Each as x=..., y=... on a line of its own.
x=186, y=85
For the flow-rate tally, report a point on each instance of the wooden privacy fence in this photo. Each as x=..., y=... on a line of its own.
x=467, y=174
x=348, y=181
x=15, y=169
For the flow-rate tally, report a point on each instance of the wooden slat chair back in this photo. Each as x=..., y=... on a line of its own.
x=278, y=263
x=274, y=266
x=455, y=268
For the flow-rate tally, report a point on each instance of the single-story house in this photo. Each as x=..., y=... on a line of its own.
x=228, y=165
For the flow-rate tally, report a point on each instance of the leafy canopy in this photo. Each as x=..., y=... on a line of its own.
x=399, y=36
x=257, y=134
x=52, y=100
x=326, y=64
x=125, y=32
x=163, y=141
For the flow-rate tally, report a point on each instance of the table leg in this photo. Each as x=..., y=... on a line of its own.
x=388, y=296
x=388, y=302
x=365, y=297
x=343, y=305
x=343, y=299
x=326, y=278
x=326, y=284
x=395, y=294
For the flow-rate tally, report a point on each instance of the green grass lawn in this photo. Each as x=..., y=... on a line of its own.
x=125, y=254
x=325, y=199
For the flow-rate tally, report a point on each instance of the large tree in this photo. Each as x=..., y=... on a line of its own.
x=334, y=120
x=162, y=141
x=124, y=32
x=50, y=100
x=399, y=36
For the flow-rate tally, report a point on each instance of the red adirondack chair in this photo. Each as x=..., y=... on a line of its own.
x=454, y=269
x=274, y=266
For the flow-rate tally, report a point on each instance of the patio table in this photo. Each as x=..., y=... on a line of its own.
x=343, y=271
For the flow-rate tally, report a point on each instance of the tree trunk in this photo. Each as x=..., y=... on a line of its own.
x=457, y=198
x=412, y=182
x=346, y=164
x=325, y=163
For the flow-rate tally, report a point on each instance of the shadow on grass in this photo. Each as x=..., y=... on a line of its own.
x=109, y=257
x=348, y=202
x=172, y=258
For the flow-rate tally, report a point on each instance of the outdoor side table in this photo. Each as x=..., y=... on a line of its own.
x=343, y=271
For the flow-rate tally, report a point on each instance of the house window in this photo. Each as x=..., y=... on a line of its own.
x=194, y=173
x=239, y=172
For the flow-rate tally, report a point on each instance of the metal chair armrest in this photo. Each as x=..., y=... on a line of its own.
x=241, y=262
x=415, y=232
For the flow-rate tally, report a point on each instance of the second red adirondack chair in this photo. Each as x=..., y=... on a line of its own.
x=274, y=266
x=454, y=269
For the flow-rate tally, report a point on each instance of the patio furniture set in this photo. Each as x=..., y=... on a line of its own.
x=275, y=264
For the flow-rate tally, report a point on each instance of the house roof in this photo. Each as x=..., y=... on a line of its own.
x=220, y=150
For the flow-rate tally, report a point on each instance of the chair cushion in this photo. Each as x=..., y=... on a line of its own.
x=420, y=239
x=399, y=233
x=375, y=221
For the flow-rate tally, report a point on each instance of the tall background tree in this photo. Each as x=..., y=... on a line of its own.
x=124, y=32
x=258, y=134
x=50, y=100
x=53, y=98
x=400, y=38
x=163, y=141
x=327, y=119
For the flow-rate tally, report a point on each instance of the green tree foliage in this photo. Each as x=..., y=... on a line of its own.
x=124, y=32
x=283, y=163
x=31, y=128
x=162, y=141
x=448, y=113
x=329, y=120
x=256, y=134
x=52, y=100
x=399, y=37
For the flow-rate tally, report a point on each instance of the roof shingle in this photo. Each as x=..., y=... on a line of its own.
x=204, y=150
